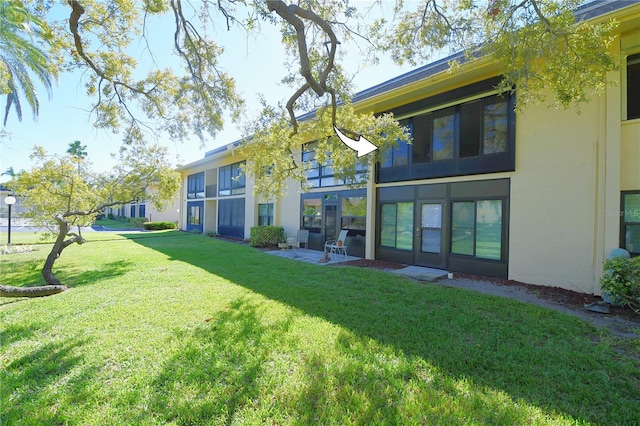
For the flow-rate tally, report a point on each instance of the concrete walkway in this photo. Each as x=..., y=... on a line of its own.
x=313, y=256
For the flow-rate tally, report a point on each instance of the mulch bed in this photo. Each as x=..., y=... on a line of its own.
x=568, y=298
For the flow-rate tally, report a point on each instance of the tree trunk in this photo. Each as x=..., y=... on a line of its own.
x=58, y=246
x=45, y=290
x=63, y=230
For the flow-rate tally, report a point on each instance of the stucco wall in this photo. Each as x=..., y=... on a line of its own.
x=630, y=158
x=553, y=198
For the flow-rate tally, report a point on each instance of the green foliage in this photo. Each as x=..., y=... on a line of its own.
x=274, y=154
x=137, y=222
x=21, y=57
x=265, y=236
x=540, y=46
x=621, y=280
x=159, y=226
x=64, y=187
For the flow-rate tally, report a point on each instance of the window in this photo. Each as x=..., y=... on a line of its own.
x=195, y=186
x=312, y=215
x=354, y=214
x=323, y=175
x=630, y=222
x=396, y=225
x=265, y=214
x=142, y=210
x=399, y=154
x=476, y=229
x=633, y=87
x=431, y=224
x=443, y=135
x=231, y=217
x=469, y=138
x=193, y=215
x=232, y=180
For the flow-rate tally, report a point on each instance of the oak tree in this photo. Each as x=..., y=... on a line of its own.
x=537, y=44
x=63, y=198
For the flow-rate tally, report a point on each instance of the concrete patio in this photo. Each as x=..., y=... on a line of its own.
x=313, y=256
x=310, y=256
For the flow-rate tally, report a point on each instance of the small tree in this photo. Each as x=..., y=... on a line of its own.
x=60, y=196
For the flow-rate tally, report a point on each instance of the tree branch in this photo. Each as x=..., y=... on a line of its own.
x=293, y=14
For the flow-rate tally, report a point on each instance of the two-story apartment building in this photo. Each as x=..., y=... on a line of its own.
x=540, y=197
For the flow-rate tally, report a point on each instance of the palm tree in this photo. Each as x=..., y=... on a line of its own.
x=77, y=150
x=9, y=172
x=20, y=57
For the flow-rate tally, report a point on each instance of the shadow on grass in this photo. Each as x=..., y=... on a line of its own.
x=217, y=387
x=467, y=340
x=73, y=278
x=48, y=377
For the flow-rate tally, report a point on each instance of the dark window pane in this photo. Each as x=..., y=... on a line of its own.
x=401, y=154
x=633, y=87
x=443, y=135
x=470, y=128
x=422, y=138
x=495, y=128
x=431, y=240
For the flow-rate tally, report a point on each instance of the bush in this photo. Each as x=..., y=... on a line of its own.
x=621, y=280
x=138, y=222
x=265, y=236
x=159, y=226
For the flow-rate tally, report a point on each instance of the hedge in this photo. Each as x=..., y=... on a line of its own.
x=138, y=222
x=264, y=236
x=158, y=226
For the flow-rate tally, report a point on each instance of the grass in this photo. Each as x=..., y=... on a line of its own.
x=180, y=329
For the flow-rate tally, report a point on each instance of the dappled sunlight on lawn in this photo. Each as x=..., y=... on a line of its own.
x=192, y=330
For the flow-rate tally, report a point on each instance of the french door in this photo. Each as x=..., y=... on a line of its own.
x=429, y=242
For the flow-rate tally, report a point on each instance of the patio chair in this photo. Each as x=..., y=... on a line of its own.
x=339, y=246
x=302, y=237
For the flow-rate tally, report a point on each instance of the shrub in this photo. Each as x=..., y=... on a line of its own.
x=621, y=280
x=264, y=236
x=138, y=222
x=158, y=226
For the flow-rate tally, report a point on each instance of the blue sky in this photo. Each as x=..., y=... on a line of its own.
x=257, y=64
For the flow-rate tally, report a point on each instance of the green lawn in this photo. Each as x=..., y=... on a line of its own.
x=181, y=329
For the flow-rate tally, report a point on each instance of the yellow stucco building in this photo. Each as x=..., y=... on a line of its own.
x=541, y=197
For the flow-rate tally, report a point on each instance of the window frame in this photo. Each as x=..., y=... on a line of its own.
x=474, y=234
x=231, y=180
x=632, y=97
x=323, y=175
x=269, y=216
x=624, y=224
x=195, y=186
x=424, y=164
x=408, y=230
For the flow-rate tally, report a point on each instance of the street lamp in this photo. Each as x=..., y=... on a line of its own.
x=9, y=201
